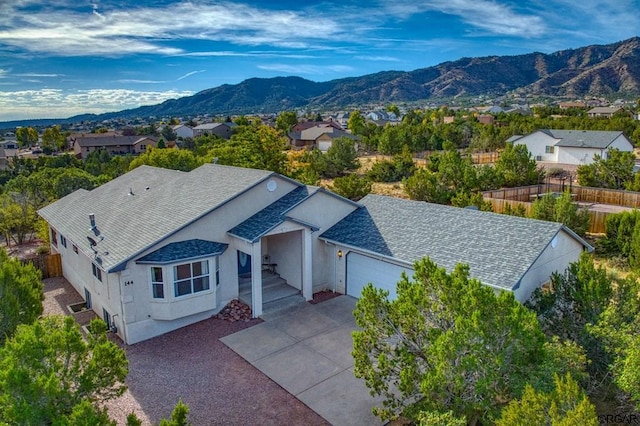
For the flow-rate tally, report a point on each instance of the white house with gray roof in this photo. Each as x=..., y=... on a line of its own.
x=156, y=249
x=575, y=147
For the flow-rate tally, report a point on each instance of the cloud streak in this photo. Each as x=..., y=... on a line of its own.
x=40, y=103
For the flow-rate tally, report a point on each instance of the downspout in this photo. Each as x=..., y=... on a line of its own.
x=124, y=328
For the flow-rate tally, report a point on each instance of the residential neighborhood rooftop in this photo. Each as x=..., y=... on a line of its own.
x=583, y=138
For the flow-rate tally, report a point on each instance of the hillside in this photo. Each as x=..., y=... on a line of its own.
x=599, y=70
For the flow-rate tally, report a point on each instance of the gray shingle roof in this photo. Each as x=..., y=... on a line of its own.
x=498, y=248
x=183, y=250
x=91, y=141
x=583, y=138
x=269, y=217
x=164, y=201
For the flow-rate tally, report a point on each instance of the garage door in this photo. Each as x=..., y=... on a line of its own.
x=362, y=270
x=324, y=145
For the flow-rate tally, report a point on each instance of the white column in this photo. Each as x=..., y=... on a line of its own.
x=256, y=279
x=307, y=265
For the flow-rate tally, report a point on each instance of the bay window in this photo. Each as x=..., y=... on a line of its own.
x=190, y=278
x=157, y=283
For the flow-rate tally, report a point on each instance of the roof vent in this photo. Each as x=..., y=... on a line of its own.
x=92, y=220
x=131, y=191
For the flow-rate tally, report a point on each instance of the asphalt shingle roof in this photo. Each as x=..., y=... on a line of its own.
x=163, y=201
x=269, y=217
x=182, y=250
x=583, y=138
x=498, y=248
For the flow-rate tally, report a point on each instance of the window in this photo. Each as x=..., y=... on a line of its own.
x=54, y=237
x=63, y=241
x=75, y=249
x=106, y=316
x=217, y=268
x=87, y=298
x=157, y=284
x=143, y=147
x=548, y=150
x=97, y=272
x=190, y=278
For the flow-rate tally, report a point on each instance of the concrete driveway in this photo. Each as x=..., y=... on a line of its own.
x=307, y=351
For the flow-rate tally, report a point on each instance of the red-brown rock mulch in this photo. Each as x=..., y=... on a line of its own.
x=235, y=311
x=323, y=295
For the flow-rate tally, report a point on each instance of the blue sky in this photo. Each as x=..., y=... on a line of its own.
x=59, y=58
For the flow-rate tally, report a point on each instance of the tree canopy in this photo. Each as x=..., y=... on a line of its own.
x=21, y=294
x=49, y=372
x=449, y=343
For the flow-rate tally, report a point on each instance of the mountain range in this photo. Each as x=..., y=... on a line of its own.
x=598, y=70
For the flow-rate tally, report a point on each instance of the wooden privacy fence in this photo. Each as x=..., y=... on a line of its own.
x=596, y=218
x=49, y=264
x=583, y=194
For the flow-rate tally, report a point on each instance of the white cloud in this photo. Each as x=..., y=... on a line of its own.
x=56, y=103
x=189, y=74
x=67, y=31
x=488, y=15
x=306, y=68
x=377, y=58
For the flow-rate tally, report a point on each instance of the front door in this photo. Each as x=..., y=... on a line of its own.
x=244, y=263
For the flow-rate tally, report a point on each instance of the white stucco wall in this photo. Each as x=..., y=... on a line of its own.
x=138, y=304
x=577, y=156
x=553, y=259
x=536, y=144
x=323, y=211
x=285, y=250
x=622, y=143
x=77, y=269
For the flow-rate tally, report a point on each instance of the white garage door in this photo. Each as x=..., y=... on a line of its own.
x=362, y=270
x=324, y=145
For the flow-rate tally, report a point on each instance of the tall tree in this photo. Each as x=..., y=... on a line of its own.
x=48, y=370
x=21, y=295
x=356, y=122
x=450, y=343
x=567, y=405
x=286, y=120
x=342, y=156
x=168, y=133
x=518, y=167
x=614, y=172
x=26, y=136
x=53, y=140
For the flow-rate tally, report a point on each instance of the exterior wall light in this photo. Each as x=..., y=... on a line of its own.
x=340, y=254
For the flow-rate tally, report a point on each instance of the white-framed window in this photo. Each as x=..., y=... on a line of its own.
x=63, y=241
x=216, y=267
x=143, y=147
x=157, y=283
x=75, y=249
x=97, y=272
x=190, y=278
x=54, y=237
x=548, y=149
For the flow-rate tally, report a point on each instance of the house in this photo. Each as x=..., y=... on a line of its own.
x=8, y=151
x=607, y=112
x=575, y=147
x=183, y=131
x=572, y=104
x=155, y=249
x=223, y=130
x=113, y=143
x=317, y=135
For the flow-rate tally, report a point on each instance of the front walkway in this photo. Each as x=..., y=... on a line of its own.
x=307, y=351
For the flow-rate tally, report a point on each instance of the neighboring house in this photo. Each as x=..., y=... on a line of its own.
x=486, y=119
x=319, y=136
x=222, y=130
x=603, y=111
x=574, y=147
x=183, y=131
x=343, y=119
x=156, y=249
x=380, y=115
x=114, y=144
x=572, y=104
x=8, y=151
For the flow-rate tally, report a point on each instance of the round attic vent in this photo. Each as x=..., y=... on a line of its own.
x=554, y=242
x=272, y=185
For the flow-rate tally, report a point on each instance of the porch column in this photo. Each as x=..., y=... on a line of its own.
x=307, y=265
x=256, y=279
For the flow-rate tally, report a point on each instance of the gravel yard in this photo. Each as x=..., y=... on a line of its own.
x=191, y=363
